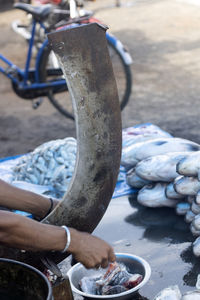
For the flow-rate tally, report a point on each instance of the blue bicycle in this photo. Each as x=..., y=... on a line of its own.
x=46, y=79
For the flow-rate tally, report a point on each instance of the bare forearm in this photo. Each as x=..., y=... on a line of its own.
x=15, y=198
x=23, y=233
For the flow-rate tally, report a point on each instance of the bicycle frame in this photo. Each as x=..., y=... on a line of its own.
x=22, y=78
x=26, y=83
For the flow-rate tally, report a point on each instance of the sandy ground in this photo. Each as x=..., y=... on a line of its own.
x=163, y=39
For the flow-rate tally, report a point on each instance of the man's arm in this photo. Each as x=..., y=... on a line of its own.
x=14, y=198
x=23, y=233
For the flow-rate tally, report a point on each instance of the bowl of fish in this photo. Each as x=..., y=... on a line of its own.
x=119, y=281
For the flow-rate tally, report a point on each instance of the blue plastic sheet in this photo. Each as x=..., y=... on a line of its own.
x=122, y=188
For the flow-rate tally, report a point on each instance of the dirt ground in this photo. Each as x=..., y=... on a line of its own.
x=163, y=39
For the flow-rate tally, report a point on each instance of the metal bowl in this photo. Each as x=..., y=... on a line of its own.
x=134, y=264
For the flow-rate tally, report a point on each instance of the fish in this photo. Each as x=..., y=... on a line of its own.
x=198, y=197
x=116, y=280
x=132, y=154
x=169, y=293
x=186, y=185
x=88, y=284
x=160, y=167
x=190, y=165
x=191, y=295
x=198, y=282
x=196, y=222
x=128, y=157
x=195, y=208
x=194, y=231
x=135, y=134
x=189, y=216
x=171, y=193
x=190, y=199
x=182, y=208
x=134, y=180
x=111, y=290
x=153, y=195
x=196, y=247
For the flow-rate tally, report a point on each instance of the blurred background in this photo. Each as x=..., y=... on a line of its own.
x=162, y=37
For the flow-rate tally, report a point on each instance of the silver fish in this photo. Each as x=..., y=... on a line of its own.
x=88, y=284
x=198, y=197
x=196, y=247
x=134, y=180
x=189, y=216
x=182, y=208
x=169, y=293
x=171, y=193
x=194, y=231
x=196, y=222
x=153, y=195
x=60, y=160
x=52, y=164
x=198, y=282
x=32, y=178
x=139, y=151
x=195, y=208
x=190, y=165
x=160, y=167
x=191, y=295
x=142, y=133
x=128, y=158
x=187, y=185
x=190, y=199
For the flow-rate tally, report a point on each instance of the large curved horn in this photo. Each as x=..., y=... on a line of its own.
x=84, y=57
x=85, y=60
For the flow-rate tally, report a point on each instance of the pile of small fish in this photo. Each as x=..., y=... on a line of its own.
x=166, y=172
x=116, y=280
x=51, y=164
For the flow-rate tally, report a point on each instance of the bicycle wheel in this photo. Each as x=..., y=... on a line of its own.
x=122, y=72
x=49, y=71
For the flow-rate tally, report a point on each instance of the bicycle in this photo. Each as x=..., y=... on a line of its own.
x=49, y=81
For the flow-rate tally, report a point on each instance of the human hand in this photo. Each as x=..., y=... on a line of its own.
x=90, y=250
